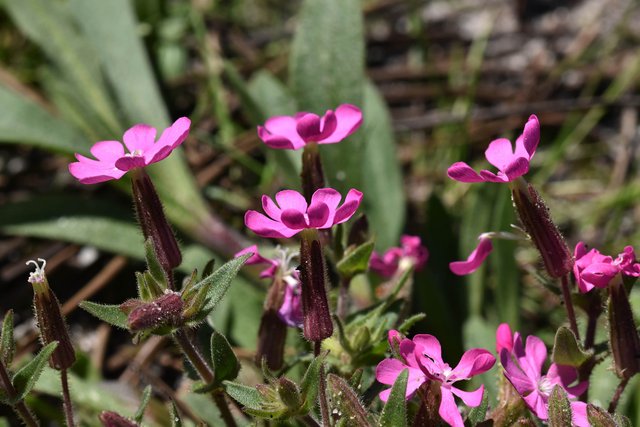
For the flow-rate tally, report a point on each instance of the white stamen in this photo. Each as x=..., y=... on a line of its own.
x=38, y=274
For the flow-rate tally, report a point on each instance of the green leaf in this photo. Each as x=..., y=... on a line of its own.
x=144, y=401
x=24, y=121
x=310, y=383
x=559, y=408
x=107, y=313
x=26, y=378
x=7, y=343
x=479, y=413
x=327, y=69
x=384, y=197
x=410, y=321
x=155, y=269
x=356, y=261
x=566, y=349
x=176, y=420
x=394, y=412
x=249, y=397
x=223, y=359
x=621, y=420
x=218, y=283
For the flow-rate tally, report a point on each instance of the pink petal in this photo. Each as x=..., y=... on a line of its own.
x=580, y=250
x=408, y=353
x=265, y=227
x=308, y=127
x=290, y=199
x=175, y=134
x=579, y=414
x=517, y=168
x=448, y=409
x=87, y=174
x=388, y=370
x=349, y=207
x=285, y=127
x=324, y=203
x=156, y=153
x=270, y=208
x=255, y=258
x=470, y=398
x=394, y=336
x=489, y=176
x=500, y=153
x=535, y=356
x=460, y=171
x=476, y=258
x=537, y=403
x=108, y=151
x=290, y=312
x=276, y=141
x=473, y=362
x=293, y=219
x=319, y=216
x=140, y=138
x=516, y=376
x=531, y=135
x=349, y=119
x=599, y=274
x=504, y=338
x=127, y=163
x=383, y=265
x=429, y=345
x=328, y=125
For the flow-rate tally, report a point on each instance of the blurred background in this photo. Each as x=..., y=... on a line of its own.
x=437, y=80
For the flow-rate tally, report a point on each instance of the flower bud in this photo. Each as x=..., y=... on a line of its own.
x=537, y=222
x=623, y=335
x=273, y=331
x=50, y=320
x=154, y=223
x=317, y=318
x=163, y=311
x=112, y=419
x=289, y=394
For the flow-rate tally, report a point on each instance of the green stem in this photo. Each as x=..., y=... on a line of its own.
x=66, y=398
x=568, y=303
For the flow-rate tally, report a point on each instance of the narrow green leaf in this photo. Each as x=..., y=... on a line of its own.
x=566, y=349
x=218, y=283
x=155, y=269
x=7, y=343
x=310, y=383
x=559, y=408
x=26, y=378
x=223, y=359
x=410, y=321
x=176, y=420
x=107, y=313
x=144, y=401
x=249, y=397
x=356, y=261
x=384, y=197
x=394, y=413
x=479, y=413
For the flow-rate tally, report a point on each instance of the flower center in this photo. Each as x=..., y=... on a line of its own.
x=545, y=386
x=134, y=153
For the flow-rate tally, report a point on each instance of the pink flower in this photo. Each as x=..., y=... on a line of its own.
x=256, y=258
x=290, y=311
x=411, y=252
x=113, y=162
x=286, y=132
x=592, y=269
x=292, y=214
x=523, y=369
x=475, y=260
x=504, y=338
x=511, y=164
x=422, y=357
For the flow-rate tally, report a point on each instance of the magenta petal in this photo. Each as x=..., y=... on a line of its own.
x=500, y=153
x=270, y=208
x=349, y=119
x=504, y=338
x=284, y=127
x=473, y=362
x=293, y=219
x=470, y=398
x=349, y=207
x=428, y=344
x=534, y=358
x=599, y=274
x=476, y=258
x=531, y=135
x=460, y=171
x=175, y=134
x=87, y=174
x=255, y=258
x=328, y=125
x=579, y=414
x=308, y=127
x=489, y=176
x=139, y=138
x=290, y=199
x=130, y=162
x=537, y=403
x=516, y=376
x=384, y=395
x=156, y=154
x=448, y=409
x=388, y=370
x=276, y=141
x=265, y=227
x=517, y=168
x=320, y=216
x=324, y=203
x=108, y=151
x=290, y=312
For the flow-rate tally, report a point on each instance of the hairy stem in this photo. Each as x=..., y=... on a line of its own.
x=324, y=407
x=20, y=408
x=66, y=398
x=568, y=303
x=616, y=397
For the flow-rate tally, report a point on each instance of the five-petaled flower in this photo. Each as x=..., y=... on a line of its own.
x=112, y=161
x=475, y=259
x=410, y=253
x=593, y=269
x=523, y=368
x=422, y=357
x=294, y=132
x=292, y=214
x=511, y=164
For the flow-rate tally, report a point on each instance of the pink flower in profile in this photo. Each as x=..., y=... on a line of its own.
x=595, y=270
x=511, y=164
x=290, y=311
x=475, y=260
x=140, y=140
x=410, y=253
x=291, y=214
x=504, y=338
x=256, y=259
x=423, y=358
x=523, y=368
x=287, y=132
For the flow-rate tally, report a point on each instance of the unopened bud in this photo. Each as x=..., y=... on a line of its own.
x=273, y=331
x=317, y=318
x=537, y=222
x=153, y=222
x=112, y=419
x=50, y=320
x=623, y=335
x=164, y=311
x=289, y=394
